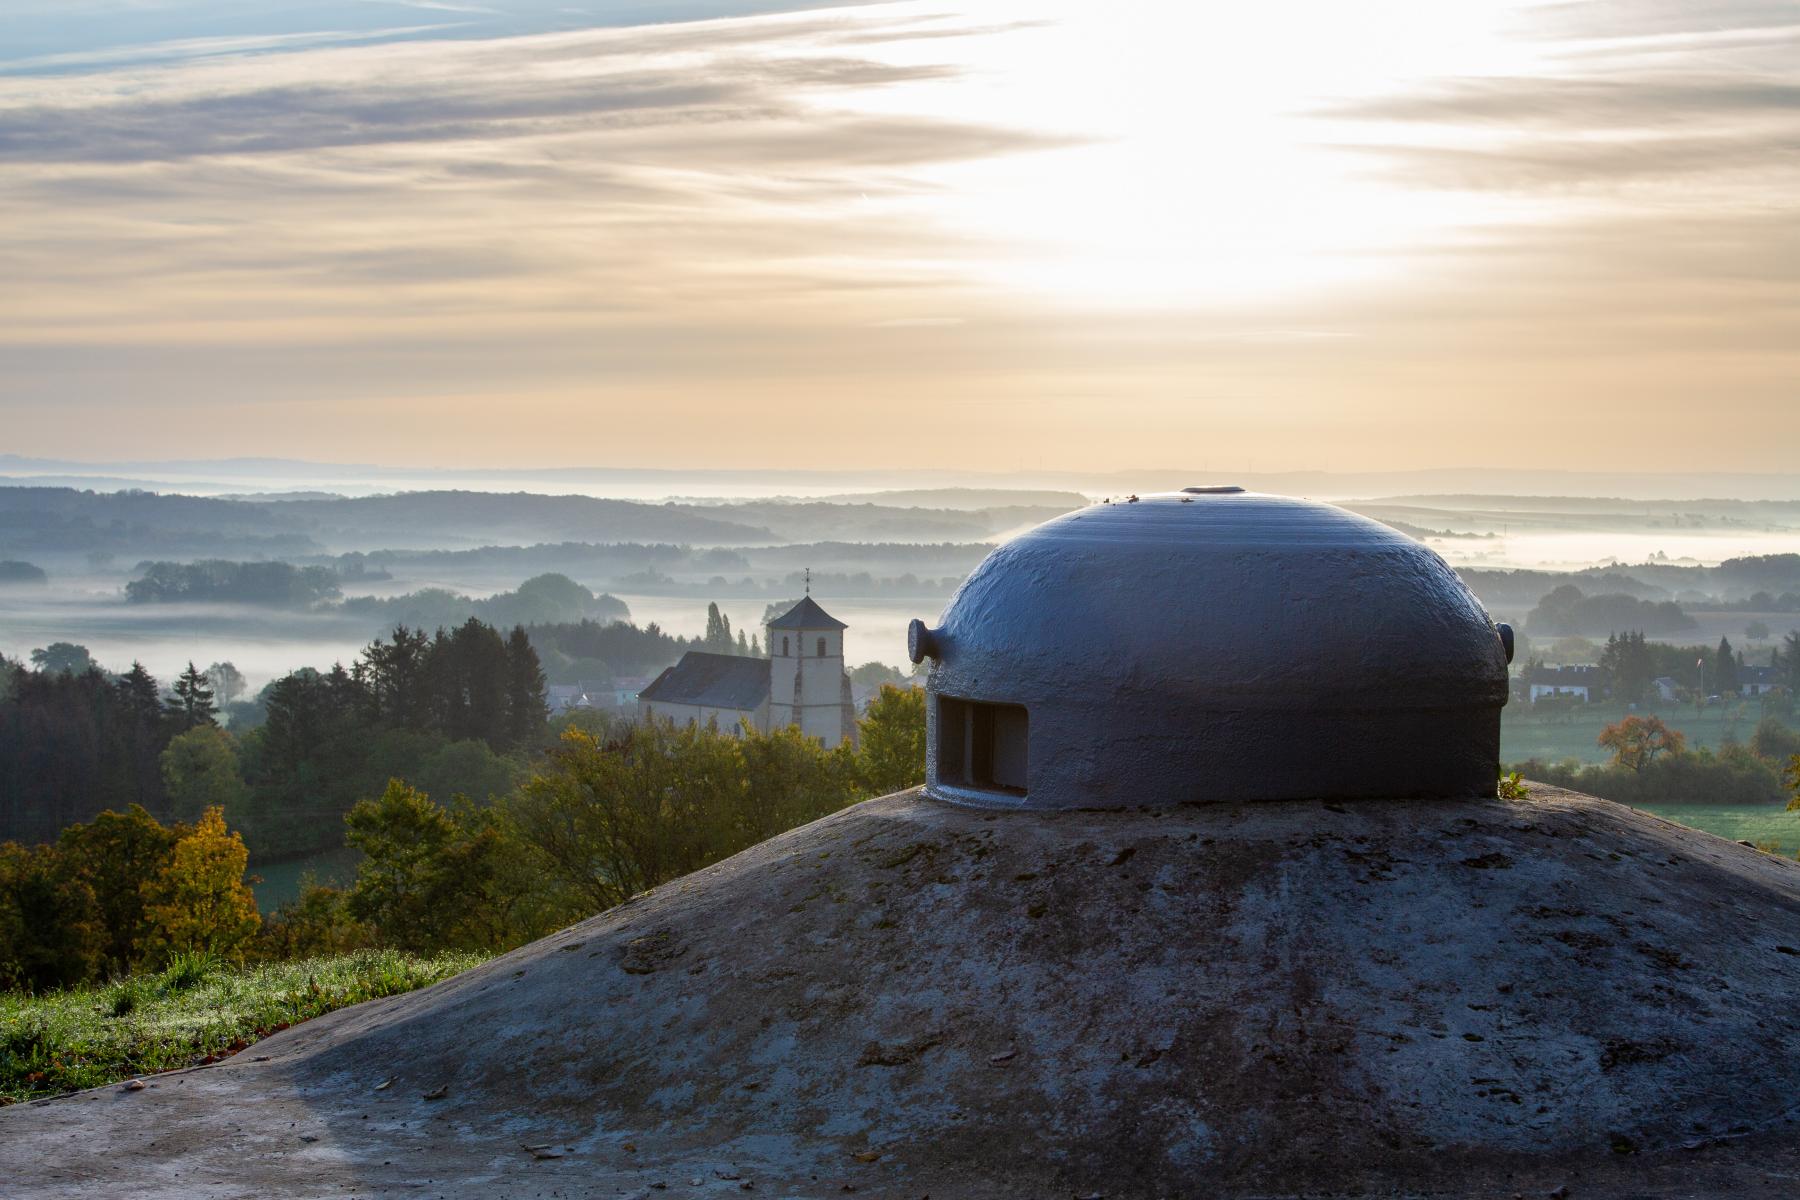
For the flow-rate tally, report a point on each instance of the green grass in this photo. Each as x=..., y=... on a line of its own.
x=196, y=1011
x=1524, y=734
x=1760, y=825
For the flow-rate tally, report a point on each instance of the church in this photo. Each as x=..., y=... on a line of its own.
x=802, y=682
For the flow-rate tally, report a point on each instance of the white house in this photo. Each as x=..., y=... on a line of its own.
x=1757, y=681
x=801, y=682
x=565, y=697
x=1578, y=681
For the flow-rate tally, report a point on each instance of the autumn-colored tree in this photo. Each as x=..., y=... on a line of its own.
x=1636, y=742
x=892, y=754
x=114, y=854
x=1791, y=777
x=200, y=771
x=200, y=900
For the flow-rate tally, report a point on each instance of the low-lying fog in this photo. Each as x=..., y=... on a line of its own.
x=879, y=558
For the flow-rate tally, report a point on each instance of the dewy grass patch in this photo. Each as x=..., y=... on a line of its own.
x=191, y=1013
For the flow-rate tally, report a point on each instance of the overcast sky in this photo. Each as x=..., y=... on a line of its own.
x=958, y=234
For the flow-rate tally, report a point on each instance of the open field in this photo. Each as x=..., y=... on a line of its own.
x=194, y=1012
x=1573, y=734
x=1760, y=825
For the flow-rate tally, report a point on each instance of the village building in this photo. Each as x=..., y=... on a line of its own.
x=567, y=697
x=621, y=692
x=800, y=682
x=1758, y=681
x=1584, y=682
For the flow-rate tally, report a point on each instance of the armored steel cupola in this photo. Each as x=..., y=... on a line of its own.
x=1210, y=645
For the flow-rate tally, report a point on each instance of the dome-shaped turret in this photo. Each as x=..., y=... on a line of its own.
x=1212, y=644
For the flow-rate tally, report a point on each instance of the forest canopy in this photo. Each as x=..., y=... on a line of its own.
x=271, y=583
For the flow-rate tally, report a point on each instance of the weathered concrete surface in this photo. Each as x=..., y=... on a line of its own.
x=1474, y=998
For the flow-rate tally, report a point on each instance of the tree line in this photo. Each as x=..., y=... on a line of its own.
x=462, y=706
x=1630, y=664
x=219, y=580
x=605, y=814
x=1633, y=664
x=1567, y=610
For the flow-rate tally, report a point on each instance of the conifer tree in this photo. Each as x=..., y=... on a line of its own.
x=192, y=703
x=141, y=694
x=526, y=705
x=1724, y=673
x=1788, y=664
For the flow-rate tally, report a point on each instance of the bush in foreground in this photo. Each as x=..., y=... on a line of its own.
x=196, y=1011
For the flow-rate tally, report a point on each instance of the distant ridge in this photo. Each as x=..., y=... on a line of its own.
x=278, y=474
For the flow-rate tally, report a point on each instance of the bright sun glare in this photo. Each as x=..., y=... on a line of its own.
x=1184, y=157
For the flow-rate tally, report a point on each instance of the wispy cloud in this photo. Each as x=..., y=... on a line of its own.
x=1069, y=233
x=183, y=49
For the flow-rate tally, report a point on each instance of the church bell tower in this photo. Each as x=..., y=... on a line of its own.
x=807, y=683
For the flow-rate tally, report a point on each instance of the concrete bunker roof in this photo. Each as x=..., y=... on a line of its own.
x=1212, y=644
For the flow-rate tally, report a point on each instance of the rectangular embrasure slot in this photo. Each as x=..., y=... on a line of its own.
x=983, y=746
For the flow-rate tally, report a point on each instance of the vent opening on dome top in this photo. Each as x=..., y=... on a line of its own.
x=983, y=746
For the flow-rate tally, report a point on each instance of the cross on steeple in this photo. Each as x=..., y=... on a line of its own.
x=809, y=581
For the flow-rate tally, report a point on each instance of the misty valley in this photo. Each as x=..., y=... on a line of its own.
x=610, y=592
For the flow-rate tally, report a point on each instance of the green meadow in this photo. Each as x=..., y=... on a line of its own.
x=1525, y=734
x=196, y=1011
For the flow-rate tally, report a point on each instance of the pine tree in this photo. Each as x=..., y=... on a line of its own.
x=393, y=673
x=1724, y=673
x=1627, y=659
x=192, y=703
x=526, y=706
x=141, y=694
x=1789, y=662
x=147, y=728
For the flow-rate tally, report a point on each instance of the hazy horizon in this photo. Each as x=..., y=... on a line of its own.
x=237, y=476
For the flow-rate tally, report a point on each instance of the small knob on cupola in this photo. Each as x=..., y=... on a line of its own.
x=921, y=643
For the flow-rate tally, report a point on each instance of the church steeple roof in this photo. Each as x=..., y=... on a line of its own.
x=807, y=615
